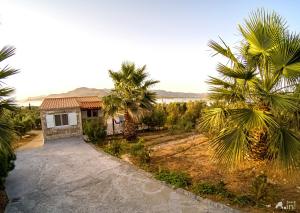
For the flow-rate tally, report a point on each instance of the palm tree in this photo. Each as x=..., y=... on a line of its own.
x=6, y=131
x=131, y=96
x=256, y=94
x=110, y=109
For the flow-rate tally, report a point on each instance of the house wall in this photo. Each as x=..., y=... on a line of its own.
x=119, y=126
x=61, y=131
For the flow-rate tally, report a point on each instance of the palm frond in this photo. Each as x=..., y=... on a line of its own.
x=214, y=119
x=6, y=72
x=284, y=148
x=6, y=52
x=251, y=118
x=230, y=145
x=219, y=82
x=237, y=73
x=228, y=94
x=259, y=29
x=225, y=51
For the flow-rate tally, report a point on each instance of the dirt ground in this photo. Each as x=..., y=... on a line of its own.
x=191, y=153
x=32, y=139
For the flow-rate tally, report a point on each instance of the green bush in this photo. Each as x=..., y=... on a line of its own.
x=157, y=118
x=7, y=156
x=262, y=191
x=206, y=188
x=114, y=148
x=25, y=119
x=244, y=200
x=94, y=130
x=140, y=151
x=177, y=179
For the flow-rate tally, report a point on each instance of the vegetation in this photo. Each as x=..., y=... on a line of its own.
x=206, y=188
x=110, y=109
x=114, y=148
x=256, y=95
x=139, y=151
x=7, y=155
x=95, y=130
x=259, y=195
x=25, y=119
x=177, y=179
x=131, y=96
x=156, y=119
x=175, y=116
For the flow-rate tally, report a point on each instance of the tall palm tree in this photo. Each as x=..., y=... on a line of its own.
x=257, y=96
x=131, y=95
x=6, y=104
x=110, y=109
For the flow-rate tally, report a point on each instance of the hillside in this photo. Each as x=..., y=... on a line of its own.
x=84, y=91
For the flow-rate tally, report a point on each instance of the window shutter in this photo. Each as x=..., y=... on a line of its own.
x=72, y=118
x=50, y=121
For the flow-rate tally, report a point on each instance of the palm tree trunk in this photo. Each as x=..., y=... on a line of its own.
x=259, y=140
x=113, y=125
x=129, y=128
x=258, y=145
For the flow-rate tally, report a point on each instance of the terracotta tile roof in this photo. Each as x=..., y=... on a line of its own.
x=87, y=102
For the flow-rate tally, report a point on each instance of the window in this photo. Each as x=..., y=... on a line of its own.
x=61, y=120
x=92, y=113
x=64, y=118
x=95, y=113
x=89, y=113
x=57, y=120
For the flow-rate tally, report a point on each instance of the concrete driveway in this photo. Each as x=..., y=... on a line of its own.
x=71, y=176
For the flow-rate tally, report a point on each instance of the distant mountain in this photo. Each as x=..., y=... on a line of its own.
x=84, y=91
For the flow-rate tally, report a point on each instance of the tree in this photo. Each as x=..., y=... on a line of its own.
x=131, y=95
x=256, y=93
x=6, y=104
x=110, y=104
x=156, y=118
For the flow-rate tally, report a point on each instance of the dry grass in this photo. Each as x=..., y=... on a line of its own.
x=191, y=153
x=24, y=140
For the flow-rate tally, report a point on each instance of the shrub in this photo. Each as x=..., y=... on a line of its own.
x=140, y=151
x=206, y=188
x=177, y=179
x=114, y=148
x=94, y=130
x=244, y=200
x=263, y=191
x=156, y=118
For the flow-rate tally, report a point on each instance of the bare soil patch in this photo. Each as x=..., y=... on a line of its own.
x=191, y=153
x=24, y=140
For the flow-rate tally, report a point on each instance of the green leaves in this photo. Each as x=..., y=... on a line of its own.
x=6, y=131
x=214, y=119
x=230, y=145
x=131, y=94
x=284, y=148
x=258, y=92
x=6, y=52
x=251, y=118
x=260, y=30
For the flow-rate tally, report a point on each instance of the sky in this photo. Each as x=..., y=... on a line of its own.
x=65, y=44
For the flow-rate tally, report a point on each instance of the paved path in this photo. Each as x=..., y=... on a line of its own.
x=71, y=176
